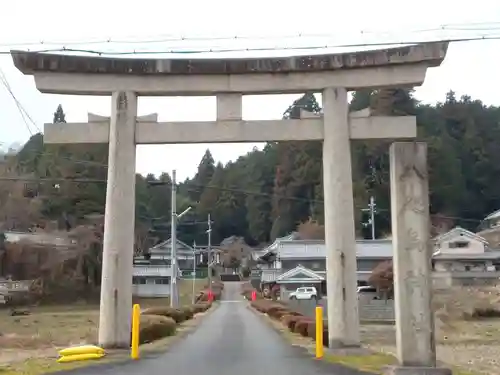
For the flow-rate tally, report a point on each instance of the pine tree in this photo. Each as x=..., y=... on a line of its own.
x=298, y=173
x=203, y=176
x=59, y=115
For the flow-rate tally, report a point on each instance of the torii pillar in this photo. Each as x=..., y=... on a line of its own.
x=119, y=218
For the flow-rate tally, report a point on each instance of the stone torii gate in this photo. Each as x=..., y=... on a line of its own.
x=229, y=79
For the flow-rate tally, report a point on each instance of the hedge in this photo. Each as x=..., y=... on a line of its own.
x=178, y=315
x=295, y=322
x=154, y=327
x=160, y=322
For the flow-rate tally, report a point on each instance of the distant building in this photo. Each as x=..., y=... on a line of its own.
x=291, y=262
x=152, y=273
x=490, y=229
x=461, y=250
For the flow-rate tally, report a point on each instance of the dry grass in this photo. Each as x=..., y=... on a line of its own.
x=469, y=347
x=31, y=342
x=472, y=345
x=372, y=363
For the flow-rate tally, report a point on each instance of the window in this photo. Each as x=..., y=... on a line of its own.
x=138, y=280
x=160, y=262
x=162, y=281
x=459, y=244
x=316, y=266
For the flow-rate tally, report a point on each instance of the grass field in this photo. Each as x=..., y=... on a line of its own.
x=468, y=346
x=49, y=328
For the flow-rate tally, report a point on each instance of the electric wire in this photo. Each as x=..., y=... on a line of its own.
x=466, y=26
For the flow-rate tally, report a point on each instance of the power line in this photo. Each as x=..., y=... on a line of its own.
x=257, y=49
x=24, y=114
x=468, y=26
x=197, y=186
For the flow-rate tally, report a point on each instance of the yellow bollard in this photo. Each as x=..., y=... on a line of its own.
x=136, y=318
x=319, y=332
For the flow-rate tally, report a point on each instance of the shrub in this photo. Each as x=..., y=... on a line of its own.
x=311, y=332
x=177, y=315
x=216, y=292
x=277, y=311
x=200, y=307
x=291, y=320
x=301, y=326
x=187, y=311
x=483, y=313
x=263, y=305
x=154, y=327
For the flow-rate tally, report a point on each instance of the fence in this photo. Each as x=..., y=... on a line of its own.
x=370, y=311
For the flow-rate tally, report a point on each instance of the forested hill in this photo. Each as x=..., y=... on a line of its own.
x=266, y=193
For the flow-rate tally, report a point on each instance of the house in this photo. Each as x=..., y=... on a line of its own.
x=490, y=229
x=462, y=250
x=492, y=220
x=291, y=262
x=152, y=273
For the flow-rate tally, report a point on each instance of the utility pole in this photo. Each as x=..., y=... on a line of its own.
x=209, y=253
x=372, y=215
x=194, y=274
x=372, y=209
x=174, y=293
x=174, y=297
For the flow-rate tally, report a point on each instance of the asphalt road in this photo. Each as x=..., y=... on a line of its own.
x=232, y=340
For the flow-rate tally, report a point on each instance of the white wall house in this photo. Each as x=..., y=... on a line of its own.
x=152, y=273
x=151, y=281
x=457, y=253
x=461, y=250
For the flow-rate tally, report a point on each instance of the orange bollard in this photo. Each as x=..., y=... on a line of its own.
x=254, y=295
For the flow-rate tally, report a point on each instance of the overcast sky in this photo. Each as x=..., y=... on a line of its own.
x=470, y=67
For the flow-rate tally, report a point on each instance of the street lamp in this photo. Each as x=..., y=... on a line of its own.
x=184, y=212
x=174, y=295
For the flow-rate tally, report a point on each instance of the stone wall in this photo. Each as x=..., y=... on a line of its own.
x=369, y=310
x=445, y=280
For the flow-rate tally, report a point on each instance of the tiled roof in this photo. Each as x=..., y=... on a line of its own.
x=459, y=231
x=493, y=215
x=316, y=249
x=470, y=256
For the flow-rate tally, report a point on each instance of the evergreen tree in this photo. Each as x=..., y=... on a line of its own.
x=206, y=170
x=59, y=115
x=267, y=193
